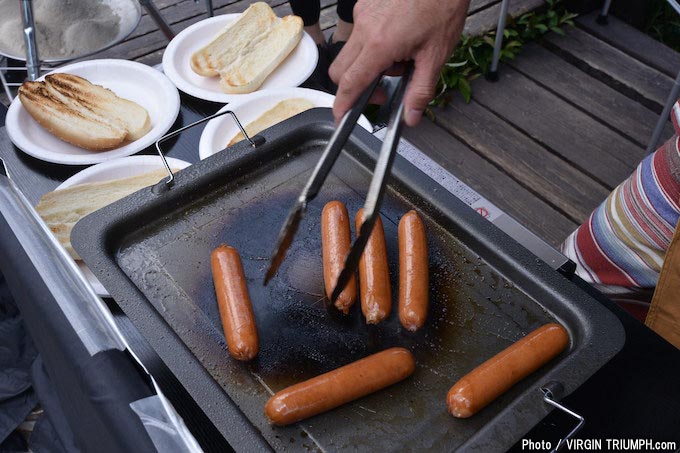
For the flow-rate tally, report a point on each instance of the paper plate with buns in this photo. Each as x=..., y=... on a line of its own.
x=94, y=188
x=92, y=111
x=259, y=111
x=226, y=57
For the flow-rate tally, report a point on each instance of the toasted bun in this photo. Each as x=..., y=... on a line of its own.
x=62, y=209
x=249, y=49
x=280, y=112
x=84, y=96
x=84, y=114
x=67, y=124
x=231, y=42
x=247, y=73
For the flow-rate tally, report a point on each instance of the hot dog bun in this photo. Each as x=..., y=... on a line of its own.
x=68, y=124
x=81, y=95
x=62, y=209
x=248, y=72
x=83, y=114
x=249, y=49
x=232, y=41
x=280, y=112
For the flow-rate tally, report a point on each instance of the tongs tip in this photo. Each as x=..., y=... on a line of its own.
x=285, y=239
x=354, y=255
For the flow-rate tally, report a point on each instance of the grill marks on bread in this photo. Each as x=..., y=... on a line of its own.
x=84, y=114
x=70, y=125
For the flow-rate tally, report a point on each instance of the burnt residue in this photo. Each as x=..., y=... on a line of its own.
x=474, y=311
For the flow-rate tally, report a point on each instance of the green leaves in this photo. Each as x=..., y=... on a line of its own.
x=663, y=24
x=473, y=55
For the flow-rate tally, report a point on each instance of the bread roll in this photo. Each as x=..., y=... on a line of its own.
x=68, y=124
x=248, y=72
x=249, y=49
x=280, y=112
x=62, y=209
x=82, y=95
x=233, y=39
x=84, y=114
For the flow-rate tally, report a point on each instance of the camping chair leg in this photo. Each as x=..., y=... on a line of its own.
x=492, y=75
x=156, y=16
x=602, y=18
x=209, y=7
x=658, y=130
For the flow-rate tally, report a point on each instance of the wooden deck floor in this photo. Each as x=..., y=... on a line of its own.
x=568, y=120
x=146, y=43
x=566, y=123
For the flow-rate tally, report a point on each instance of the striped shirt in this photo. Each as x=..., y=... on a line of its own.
x=621, y=247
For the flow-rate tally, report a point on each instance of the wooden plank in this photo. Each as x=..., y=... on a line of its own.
x=531, y=165
x=619, y=112
x=162, y=4
x=187, y=9
x=490, y=182
x=135, y=48
x=486, y=19
x=590, y=146
x=478, y=5
x=614, y=67
x=633, y=42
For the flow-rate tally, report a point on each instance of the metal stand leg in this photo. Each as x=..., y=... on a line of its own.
x=602, y=18
x=492, y=75
x=209, y=7
x=5, y=86
x=32, y=61
x=672, y=98
x=156, y=16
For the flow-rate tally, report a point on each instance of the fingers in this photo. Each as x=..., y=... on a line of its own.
x=420, y=90
x=353, y=80
x=343, y=61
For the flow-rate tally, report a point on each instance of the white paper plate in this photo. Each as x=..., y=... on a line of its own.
x=130, y=80
x=219, y=132
x=292, y=72
x=118, y=168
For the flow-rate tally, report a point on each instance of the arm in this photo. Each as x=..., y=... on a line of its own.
x=389, y=31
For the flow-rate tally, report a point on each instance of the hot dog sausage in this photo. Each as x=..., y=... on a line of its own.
x=335, y=244
x=236, y=312
x=493, y=377
x=414, y=281
x=374, y=274
x=340, y=386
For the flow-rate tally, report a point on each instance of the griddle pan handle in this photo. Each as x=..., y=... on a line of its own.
x=551, y=390
x=161, y=187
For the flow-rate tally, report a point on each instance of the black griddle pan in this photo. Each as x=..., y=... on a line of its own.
x=151, y=250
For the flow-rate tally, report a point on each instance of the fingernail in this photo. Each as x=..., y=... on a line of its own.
x=413, y=116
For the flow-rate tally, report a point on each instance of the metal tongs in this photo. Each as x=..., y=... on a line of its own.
x=323, y=167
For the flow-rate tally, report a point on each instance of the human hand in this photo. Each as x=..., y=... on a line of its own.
x=392, y=31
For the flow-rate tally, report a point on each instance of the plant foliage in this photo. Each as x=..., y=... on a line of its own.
x=663, y=24
x=472, y=57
